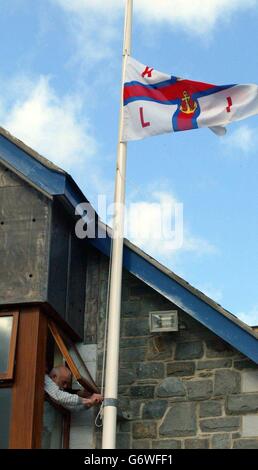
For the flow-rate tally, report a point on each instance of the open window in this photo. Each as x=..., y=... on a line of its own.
x=56, y=418
x=8, y=338
x=73, y=359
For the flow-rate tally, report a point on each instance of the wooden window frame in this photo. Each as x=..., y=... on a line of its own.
x=8, y=375
x=28, y=386
x=88, y=385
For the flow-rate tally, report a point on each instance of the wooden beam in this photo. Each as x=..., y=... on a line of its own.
x=28, y=388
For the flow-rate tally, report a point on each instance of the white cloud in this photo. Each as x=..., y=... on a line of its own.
x=243, y=139
x=251, y=317
x=156, y=225
x=50, y=124
x=195, y=16
x=93, y=27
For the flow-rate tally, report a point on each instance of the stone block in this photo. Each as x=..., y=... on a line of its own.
x=142, y=391
x=123, y=390
x=139, y=290
x=125, y=293
x=214, y=364
x=189, y=350
x=166, y=444
x=133, y=343
x=136, y=328
x=250, y=381
x=230, y=423
x=171, y=387
x=179, y=421
x=126, y=377
x=132, y=355
x=218, y=348
x=210, y=408
x=221, y=441
x=124, y=406
x=181, y=369
x=199, y=389
x=123, y=441
x=152, y=370
x=250, y=426
x=196, y=443
x=154, y=409
x=241, y=364
x=131, y=307
x=144, y=430
x=227, y=382
x=160, y=347
x=135, y=409
x=245, y=444
x=124, y=426
x=98, y=442
x=242, y=404
x=142, y=444
x=204, y=374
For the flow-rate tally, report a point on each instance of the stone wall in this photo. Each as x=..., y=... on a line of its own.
x=185, y=389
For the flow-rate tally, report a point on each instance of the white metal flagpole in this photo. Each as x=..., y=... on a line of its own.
x=112, y=357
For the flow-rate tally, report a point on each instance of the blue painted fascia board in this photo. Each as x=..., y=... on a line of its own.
x=50, y=181
x=73, y=193
x=197, y=308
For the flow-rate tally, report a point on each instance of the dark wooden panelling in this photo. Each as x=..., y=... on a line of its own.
x=76, y=285
x=28, y=388
x=67, y=270
x=58, y=260
x=24, y=217
x=41, y=260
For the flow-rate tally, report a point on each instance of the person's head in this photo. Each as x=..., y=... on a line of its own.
x=61, y=376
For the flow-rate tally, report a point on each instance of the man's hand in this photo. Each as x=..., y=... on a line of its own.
x=95, y=399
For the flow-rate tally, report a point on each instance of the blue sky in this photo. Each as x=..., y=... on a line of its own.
x=60, y=88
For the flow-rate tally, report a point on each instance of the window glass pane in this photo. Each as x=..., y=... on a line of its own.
x=52, y=433
x=5, y=410
x=5, y=339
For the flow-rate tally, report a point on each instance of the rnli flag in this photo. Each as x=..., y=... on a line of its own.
x=155, y=103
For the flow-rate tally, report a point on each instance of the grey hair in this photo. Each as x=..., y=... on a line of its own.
x=57, y=369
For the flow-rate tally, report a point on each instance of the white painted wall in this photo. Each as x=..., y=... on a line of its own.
x=82, y=435
x=250, y=426
x=250, y=381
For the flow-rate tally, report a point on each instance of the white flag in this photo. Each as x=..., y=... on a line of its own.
x=155, y=103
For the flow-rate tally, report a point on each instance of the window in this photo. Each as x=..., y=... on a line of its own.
x=73, y=359
x=8, y=336
x=56, y=418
